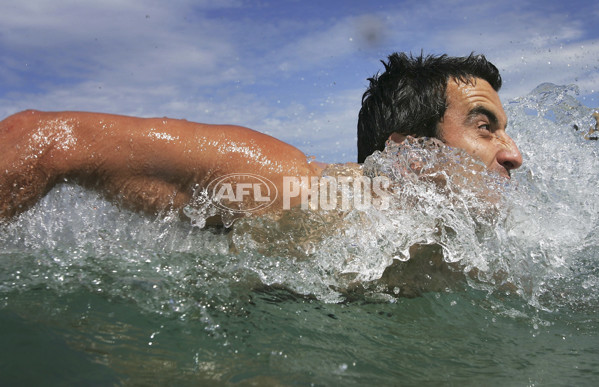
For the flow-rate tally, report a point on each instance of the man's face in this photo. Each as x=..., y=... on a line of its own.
x=475, y=122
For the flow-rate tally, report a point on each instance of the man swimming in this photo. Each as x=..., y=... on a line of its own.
x=157, y=164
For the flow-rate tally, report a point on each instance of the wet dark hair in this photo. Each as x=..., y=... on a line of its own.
x=409, y=97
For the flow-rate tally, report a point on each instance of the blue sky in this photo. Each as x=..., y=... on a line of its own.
x=292, y=69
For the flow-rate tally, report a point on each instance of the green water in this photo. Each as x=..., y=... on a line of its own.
x=272, y=337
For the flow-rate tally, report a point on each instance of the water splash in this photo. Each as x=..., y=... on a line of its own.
x=525, y=237
x=450, y=224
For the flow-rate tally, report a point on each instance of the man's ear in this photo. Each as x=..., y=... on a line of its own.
x=397, y=137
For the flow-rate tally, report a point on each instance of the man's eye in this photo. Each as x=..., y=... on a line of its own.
x=486, y=127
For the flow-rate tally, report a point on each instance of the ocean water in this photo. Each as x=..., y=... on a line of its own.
x=464, y=279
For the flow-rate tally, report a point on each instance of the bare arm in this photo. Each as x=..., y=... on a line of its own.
x=150, y=164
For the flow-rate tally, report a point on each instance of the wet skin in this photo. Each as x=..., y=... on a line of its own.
x=476, y=122
x=147, y=164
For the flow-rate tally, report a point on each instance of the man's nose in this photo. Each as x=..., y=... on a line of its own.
x=509, y=156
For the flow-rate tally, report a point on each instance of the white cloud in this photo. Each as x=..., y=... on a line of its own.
x=327, y=133
x=560, y=64
x=342, y=39
x=114, y=42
